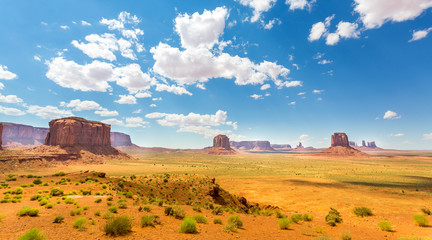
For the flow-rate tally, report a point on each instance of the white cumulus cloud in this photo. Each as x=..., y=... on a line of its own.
x=48, y=112
x=258, y=7
x=79, y=105
x=299, y=4
x=11, y=111
x=390, y=115
x=10, y=99
x=5, y=74
x=256, y=96
x=126, y=99
x=417, y=35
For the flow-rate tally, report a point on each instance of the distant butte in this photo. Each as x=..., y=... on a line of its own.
x=340, y=147
x=221, y=146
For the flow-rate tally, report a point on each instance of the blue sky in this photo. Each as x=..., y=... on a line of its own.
x=176, y=73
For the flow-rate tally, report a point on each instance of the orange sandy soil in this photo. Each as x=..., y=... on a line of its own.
x=310, y=194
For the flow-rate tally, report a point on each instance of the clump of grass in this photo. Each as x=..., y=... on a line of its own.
x=79, y=223
x=235, y=219
x=217, y=221
x=280, y=214
x=362, y=212
x=27, y=211
x=333, y=217
x=346, y=235
x=296, y=218
x=56, y=192
x=108, y=215
x=113, y=209
x=217, y=210
x=118, y=226
x=69, y=200
x=426, y=211
x=58, y=219
x=149, y=220
x=324, y=238
x=385, y=226
x=147, y=208
x=284, y=223
x=122, y=205
x=175, y=211
x=49, y=205
x=33, y=234
x=199, y=218
x=37, y=181
x=99, y=200
x=307, y=217
x=188, y=225
x=266, y=212
x=230, y=228
x=421, y=220
x=320, y=230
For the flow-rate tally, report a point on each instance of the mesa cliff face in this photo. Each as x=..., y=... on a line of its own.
x=281, y=147
x=120, y=139
x=340, y=147
x=221, y=146
x=18, y=135
x=74, y=131
x=339, y=139
x=252, y=145
x=1, y=131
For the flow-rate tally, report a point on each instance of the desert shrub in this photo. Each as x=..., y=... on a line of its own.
x=188, y=225
x=113, y=209
x=147, y=208
x=129, y=194
x=426, y=211
x=217, y=210
x=333, y=217
x=18, y=190
x=97, y=213
x=56, y=192
x=49, y=205
x=149, y=220
x=27, y=211
x=284, y=223
x=108, y=215
x=37, y=181
x=122, y=205
x=346, y=235
x=99, y=200
x=43, y=202
x=266, y=212
x=109, y=198
x=324, y=238
x=79, y=223
x=320, y=230
x=362, y=212
x=197, y=208
x=69, y=200
x=307, y=217
x=421, y=220
x=118, y=226
x=229, y=228
x=33, y=234
x=235, y=219
x=35, y=197
x=175, y=211
x=59, y=174
x=217, y=221
x=199, y=218
x=58, y=219
x=296, y=218
x=167, y=211
x=85, y=207
x=280, y=214
x=385, y=226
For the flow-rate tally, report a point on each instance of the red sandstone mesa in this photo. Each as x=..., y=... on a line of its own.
x=339, y=139
x=1, y=131
x=340, y=147
x=221, y=146
x=120, y=139
x=74, y=131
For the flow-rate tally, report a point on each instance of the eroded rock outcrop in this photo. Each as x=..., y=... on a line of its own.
x=75, y=131
x=339, y=139
x=252, y=145
x=1, y=132
x=19, y=135
x=221, y=146
x=281, y=147
x=120, y=139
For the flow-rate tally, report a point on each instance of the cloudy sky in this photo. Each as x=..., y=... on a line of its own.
x=176, y=73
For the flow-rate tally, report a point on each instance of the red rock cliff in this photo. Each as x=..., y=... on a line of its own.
x=120, y=139
x=1, y=132
x=339, y=139
x=23, y=135
x=74, y=131
x=221, y=141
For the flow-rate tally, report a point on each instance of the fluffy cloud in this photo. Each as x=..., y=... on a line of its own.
x=258, y=6
x=113, y=121
x=317, y=91
x=417, y=35
x=256, y=96
x=347, y=30
x=135, y=122
x=325, y=61
x=126, y=99
x=10, y=99
x=173, y=89
x=79, y=105
x=192, y=119
x=1, y=86
x=11, y=111
x=390, y=115
x=304, y=137
x=84, y=23
x=319, y=29
x=48, y=112
x=201, y=30
x=344, y=30
x=299, y=4
x=64, y=27
x=106, y=113
x=209, y=132
x=5, y=74
x=132, y=78
x=265, y=87
x=119, y=23
x=143, y=95
x=374, y=13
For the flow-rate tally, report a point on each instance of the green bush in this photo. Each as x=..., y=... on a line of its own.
x=147, y=208
x=284, y=223
x=79, y=223
x=33, y=234
x=113, y=209
x=56, y=192
x=149, y=220
x=122, y=205
x=69, y=200
x=362, y=212
x=188, y=225
x=59, y=174
x=217, y=210
x=333, y=217
x=98, y=200
x=385, y=226
x=199, y=218
x=280, y=214
x=346, y=235
x=235, y=219
x=421, y=220
x=324, y=238
x=230, y=228
x=37, y=181
x=97, y=213
x=217, y=221
x=58, y=219
x=296, y=218
x=49, y=205
x=307, y=217
x=108, y=215
x=266, y=212
x=27, y=211
x=426, y=211
x=118, y=226
x=175, y=211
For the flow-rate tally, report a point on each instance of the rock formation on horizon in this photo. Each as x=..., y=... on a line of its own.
x=352, y=143
x=1, y=132
x=340, y=147
x=281, y=147
x=252, y=145
x=20, y=135
x=221, y=146
x=75, y=131
x=119, y=139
